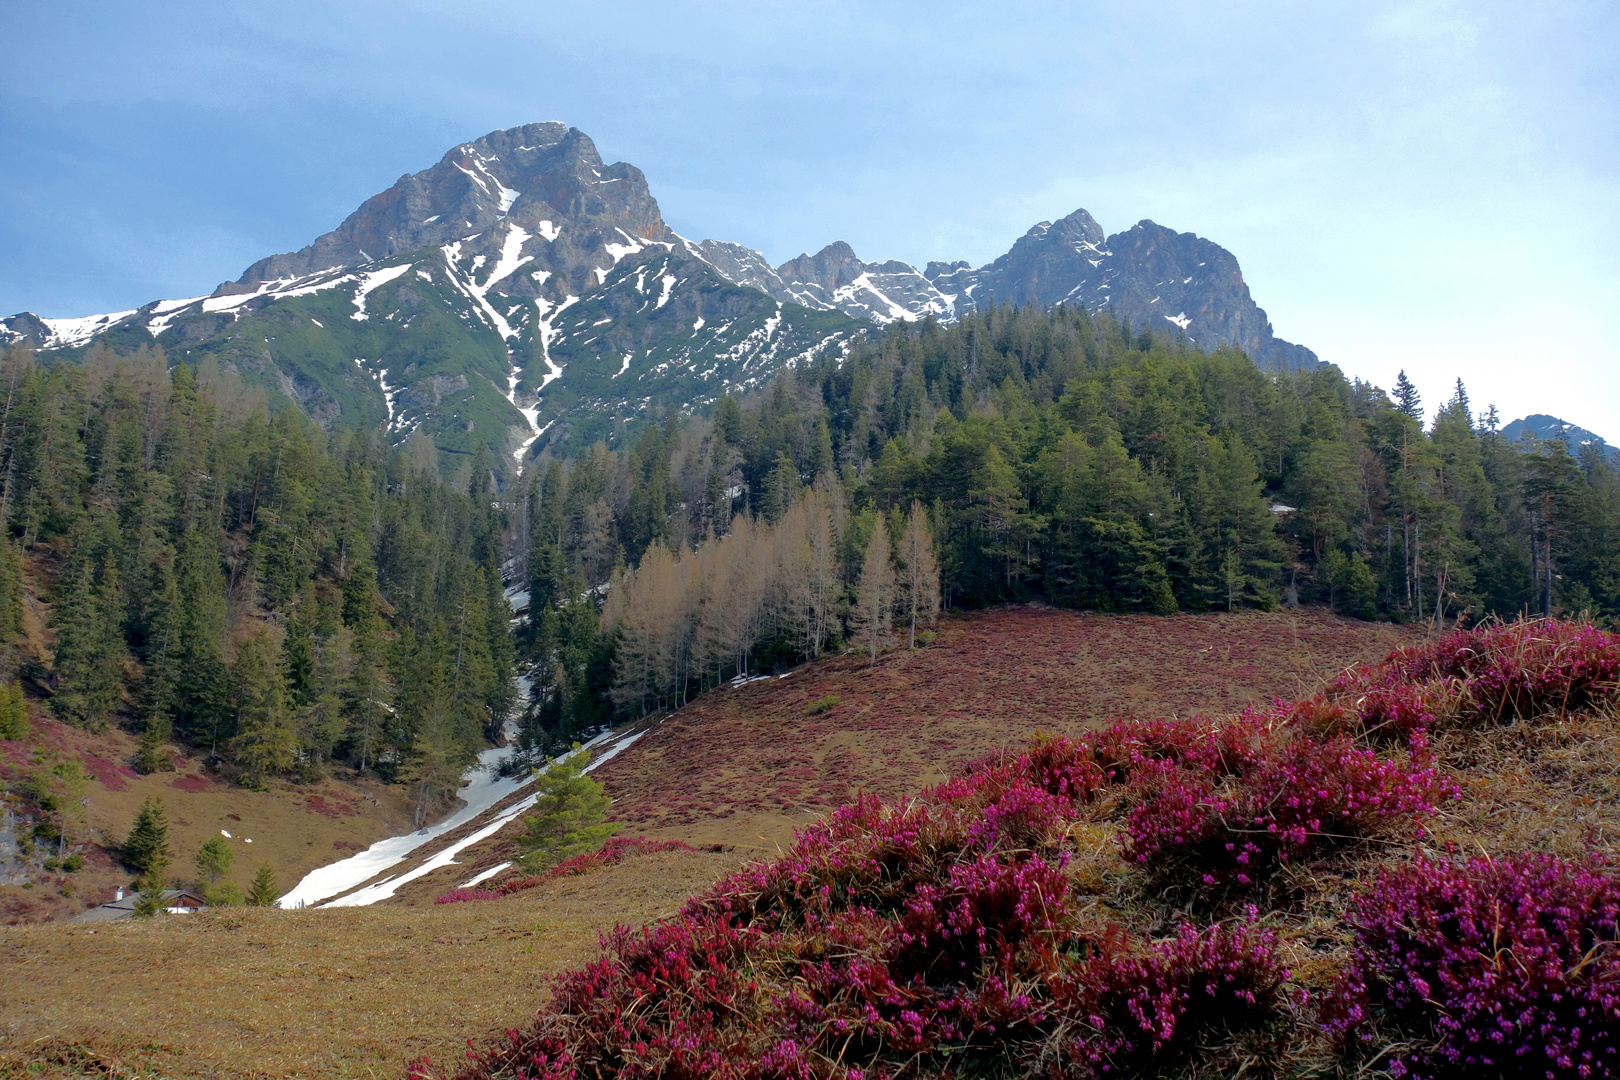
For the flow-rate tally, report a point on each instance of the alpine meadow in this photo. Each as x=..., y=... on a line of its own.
x=505, y=638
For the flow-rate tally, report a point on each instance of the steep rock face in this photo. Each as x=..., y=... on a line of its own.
x=1175, y=283
x=1172, y=282
x=884, y=292
x=742, y=266
x=1052, y=263
x=539, y=195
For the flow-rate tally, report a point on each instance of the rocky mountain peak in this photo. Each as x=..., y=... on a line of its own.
x=545, y=181
x=831, y=268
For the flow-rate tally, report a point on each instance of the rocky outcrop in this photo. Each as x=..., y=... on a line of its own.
x=1173, y=283
x=538, y=196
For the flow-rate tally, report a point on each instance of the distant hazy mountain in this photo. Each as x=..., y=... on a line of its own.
x=1542, y=426
x=521, y=292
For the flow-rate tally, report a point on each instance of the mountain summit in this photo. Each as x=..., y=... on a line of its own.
x=521, y=292
x=541, y=192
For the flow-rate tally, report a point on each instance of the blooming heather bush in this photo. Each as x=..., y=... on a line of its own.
x=1220, y=748
x=982, y=915
x=1306, y=796
x=1146, y=1014
x=1485, y=675
x=1506, y=965
x=866, y=854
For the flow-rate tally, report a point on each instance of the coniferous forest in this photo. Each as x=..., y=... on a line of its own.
x=282, y=598
x=274, y=596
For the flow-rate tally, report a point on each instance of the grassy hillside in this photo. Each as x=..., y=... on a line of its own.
x=293, y=827
x=990, y=678
x=1409, y=871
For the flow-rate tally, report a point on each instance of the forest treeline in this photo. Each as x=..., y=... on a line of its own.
x=1058, y=456
x=277, y=597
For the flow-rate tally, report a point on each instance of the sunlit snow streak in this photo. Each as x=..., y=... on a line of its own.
x=369, y=283
x=483, y=877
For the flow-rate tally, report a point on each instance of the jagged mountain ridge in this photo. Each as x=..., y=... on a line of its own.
x=1172, y=282
x=522, y=291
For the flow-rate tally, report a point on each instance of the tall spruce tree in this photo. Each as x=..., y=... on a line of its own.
x=146, y=850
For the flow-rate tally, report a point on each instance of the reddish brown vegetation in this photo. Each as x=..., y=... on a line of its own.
x=978, y=928
x=991, y=678
x=317, y=804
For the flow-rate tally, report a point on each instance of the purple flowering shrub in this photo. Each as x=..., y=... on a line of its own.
x=1194, y=826
x=1505, y=967
x=1487, y=675
x=1135, y=1014
x=984, y=927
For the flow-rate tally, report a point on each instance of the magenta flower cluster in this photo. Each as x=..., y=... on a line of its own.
x=1193, y=825
x=1501, y=967
x=1137, y=1011
x=946, y=935
x=1488, y=675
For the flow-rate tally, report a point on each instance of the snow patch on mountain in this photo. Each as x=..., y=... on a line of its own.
x=72, y=332
x=370, y=282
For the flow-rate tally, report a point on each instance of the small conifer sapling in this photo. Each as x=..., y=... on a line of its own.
x=570, y=812
x=263, y=892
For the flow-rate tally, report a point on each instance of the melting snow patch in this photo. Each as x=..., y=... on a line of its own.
x=619, y=251
x=549, y=231
x=1180, y=320
x=396, y=848
x=668, y=281
x=624, y=367
x=78, y=331
x=485, y=876
x=167, y=311
x=369, y=283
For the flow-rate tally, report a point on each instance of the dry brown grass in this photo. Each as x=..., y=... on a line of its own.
x=293, y=827
x=356, y=992
x=343, y=992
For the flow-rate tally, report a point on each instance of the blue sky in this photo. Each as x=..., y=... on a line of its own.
x=1430, y=186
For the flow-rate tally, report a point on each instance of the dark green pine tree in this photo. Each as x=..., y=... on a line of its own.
x=500, y=695
x=146, y=849
x=90, y=649
x=202, y=699
x=11, y=592
x=1407, y=398
x=266, y=743
x=160, y=684
x=263, y=891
